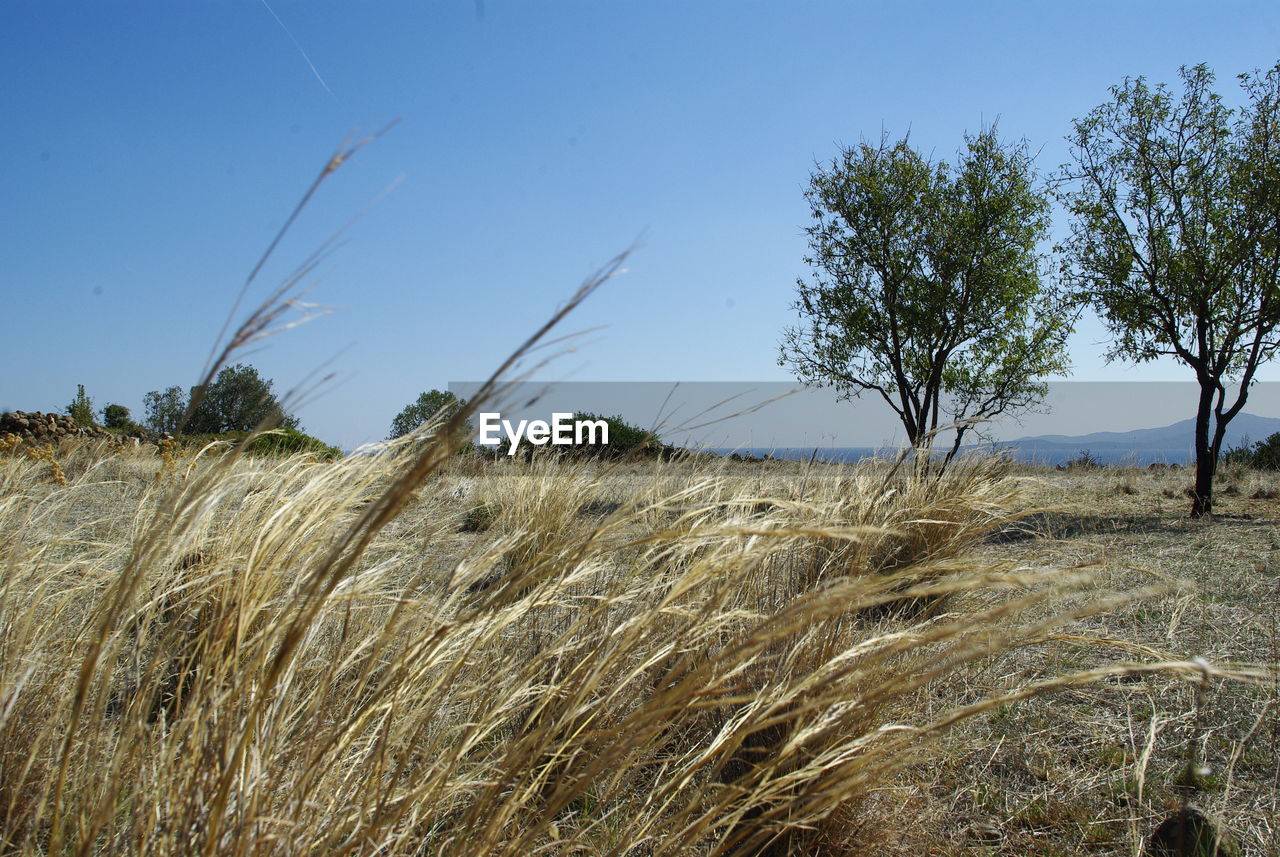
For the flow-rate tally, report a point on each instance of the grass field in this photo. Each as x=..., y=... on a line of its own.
x=1093, y=769
x=207, y=654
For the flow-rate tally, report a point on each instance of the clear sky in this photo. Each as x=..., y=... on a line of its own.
x=152, y=149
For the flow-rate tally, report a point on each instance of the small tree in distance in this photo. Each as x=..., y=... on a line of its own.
x=118, y=417
x=926, y=286
x=239, y=399
x=81, y=408
x=1175, y=237
x=431, y=405
x=164, y=411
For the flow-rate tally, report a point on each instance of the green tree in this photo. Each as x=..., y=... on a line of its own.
x=1175, y=236
x=239, y=399
x=164, y=411
x=81, y=407
x=927, y=287
x=117, y=417
x=430, y=406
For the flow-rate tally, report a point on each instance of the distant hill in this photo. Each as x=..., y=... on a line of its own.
x=1179, y=437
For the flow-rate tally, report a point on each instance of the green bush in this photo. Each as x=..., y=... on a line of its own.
x=625, y=439
x=280, y=441
x=287, y=440
x=1260, y=455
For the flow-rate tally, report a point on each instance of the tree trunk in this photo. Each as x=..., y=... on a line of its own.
x=1206, y=461
x=955, y=447
x=916, y=430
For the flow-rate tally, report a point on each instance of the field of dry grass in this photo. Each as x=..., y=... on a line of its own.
x=222, y=655
x=1093, y=770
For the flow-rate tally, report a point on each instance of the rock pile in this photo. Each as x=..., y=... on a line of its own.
x=38, y=428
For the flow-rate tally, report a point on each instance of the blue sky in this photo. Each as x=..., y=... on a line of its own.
x=152, y=149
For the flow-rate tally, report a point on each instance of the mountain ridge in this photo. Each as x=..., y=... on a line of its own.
x=1179, y=435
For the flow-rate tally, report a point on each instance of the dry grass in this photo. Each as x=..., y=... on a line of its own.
x=1092, y=770
x=221, y=655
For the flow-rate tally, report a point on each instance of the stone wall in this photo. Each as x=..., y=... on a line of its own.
x=35, y=428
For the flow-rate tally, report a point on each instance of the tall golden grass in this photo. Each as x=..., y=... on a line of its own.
x=279, y=656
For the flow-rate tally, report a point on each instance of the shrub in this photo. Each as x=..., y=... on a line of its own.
x=1084, y=461
x=624, y=438
x=277, y=442
x=1260, y=455
x=287, y=440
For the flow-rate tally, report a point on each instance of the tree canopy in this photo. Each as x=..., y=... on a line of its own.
x=81, y=407
x=164, y=410
x=238, y=399
x=927, y=285
x=1175, y=236
x=436, y=405
x=118, y=417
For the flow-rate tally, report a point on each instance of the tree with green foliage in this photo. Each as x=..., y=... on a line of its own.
x=927, y=285
x=118, y=417
x=1175, y=236
x=165, y=410
x=81, y=408
x=239, y=399
x=431, y=406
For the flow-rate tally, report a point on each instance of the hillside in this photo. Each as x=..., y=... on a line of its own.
x=1179, y=436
